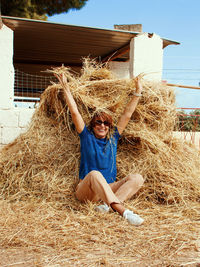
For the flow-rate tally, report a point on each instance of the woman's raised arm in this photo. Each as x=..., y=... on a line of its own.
x=130, y=108
x=76, y=116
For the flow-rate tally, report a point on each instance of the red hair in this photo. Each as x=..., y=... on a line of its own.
x=104, y=116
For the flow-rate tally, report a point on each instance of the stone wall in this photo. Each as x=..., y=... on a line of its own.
x=13, y=122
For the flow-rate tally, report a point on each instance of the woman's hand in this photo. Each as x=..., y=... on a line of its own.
x=138, y=83
x=63, y=81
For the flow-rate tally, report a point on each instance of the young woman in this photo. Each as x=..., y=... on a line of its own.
x=98, y=157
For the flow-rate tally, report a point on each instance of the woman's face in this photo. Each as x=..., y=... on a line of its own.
x=101, y=128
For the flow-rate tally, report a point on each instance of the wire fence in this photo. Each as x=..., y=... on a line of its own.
x=29, y=87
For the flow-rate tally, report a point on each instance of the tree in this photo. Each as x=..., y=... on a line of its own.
x=38, y=9
x=188, y=122
x=196, y=120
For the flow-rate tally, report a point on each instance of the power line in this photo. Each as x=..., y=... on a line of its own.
x=182, y=69
x=180, y=79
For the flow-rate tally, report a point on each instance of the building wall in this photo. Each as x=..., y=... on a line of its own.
x=146, y=56
x=6, y=68
x=121, y=69
x=13, y=122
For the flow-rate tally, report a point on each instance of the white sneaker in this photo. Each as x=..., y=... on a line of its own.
x=132, y=217
x=102, y=208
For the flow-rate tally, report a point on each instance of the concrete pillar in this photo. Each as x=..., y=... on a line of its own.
x=146, y=56
x=6, y=68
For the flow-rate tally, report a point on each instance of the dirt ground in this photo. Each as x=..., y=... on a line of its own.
x=22, y=257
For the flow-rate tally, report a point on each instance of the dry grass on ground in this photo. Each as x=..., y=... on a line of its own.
x=81, y=237
x=38, y=172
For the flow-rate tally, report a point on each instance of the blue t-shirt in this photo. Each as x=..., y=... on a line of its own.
x=98, y=154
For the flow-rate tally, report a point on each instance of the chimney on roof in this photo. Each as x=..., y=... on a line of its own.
x=129, y=27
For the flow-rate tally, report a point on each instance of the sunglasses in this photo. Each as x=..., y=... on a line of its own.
x=99, y=122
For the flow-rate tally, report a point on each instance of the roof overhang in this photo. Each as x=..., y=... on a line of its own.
x=41, y=42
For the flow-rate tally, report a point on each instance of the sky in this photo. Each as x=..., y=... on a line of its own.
x=177, y=20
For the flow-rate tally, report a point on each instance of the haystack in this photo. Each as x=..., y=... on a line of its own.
x=44, y=161
x=39, y=171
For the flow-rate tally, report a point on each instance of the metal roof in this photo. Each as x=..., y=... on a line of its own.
x=41, y=42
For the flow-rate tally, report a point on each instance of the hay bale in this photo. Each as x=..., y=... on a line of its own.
x=44, y=161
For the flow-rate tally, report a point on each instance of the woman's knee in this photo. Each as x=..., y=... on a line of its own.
x=95, y=175
x=136, y=179
x=94, y=172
